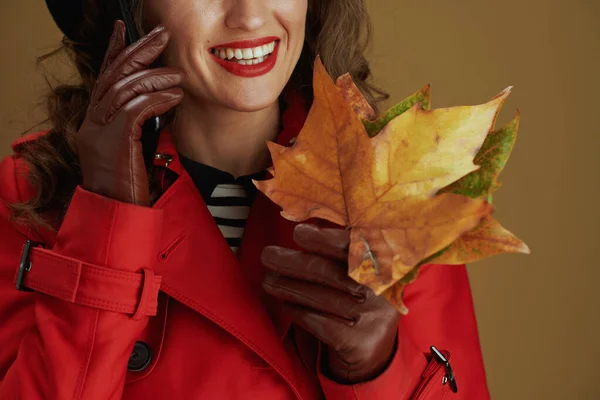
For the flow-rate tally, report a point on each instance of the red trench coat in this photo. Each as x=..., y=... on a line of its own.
x=115, y=274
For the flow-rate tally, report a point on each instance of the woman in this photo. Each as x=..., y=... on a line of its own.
x=143, y=286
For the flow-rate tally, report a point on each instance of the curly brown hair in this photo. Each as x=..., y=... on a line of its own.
x=338, y=30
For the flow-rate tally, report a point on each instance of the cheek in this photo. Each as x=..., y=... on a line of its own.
x=185, y=44
x=182, y=19
x=293, y=15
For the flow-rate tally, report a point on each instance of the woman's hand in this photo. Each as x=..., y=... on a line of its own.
x=358, y=327
x=126, y=94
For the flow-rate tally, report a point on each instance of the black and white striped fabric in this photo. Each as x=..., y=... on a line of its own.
x=228, y=199
x=229, y=206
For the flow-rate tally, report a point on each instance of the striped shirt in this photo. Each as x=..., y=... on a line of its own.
x=228, y=199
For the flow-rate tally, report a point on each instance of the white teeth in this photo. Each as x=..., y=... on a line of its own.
x=251, y=56
x=247, y=54
x=252, y=61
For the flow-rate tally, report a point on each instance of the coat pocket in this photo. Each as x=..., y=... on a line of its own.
x=434, y=380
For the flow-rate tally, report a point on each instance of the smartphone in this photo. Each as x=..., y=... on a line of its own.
x=152, y=127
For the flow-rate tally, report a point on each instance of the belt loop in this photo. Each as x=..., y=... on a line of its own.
x=147, y=283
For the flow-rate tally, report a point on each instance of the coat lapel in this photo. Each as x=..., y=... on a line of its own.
x=199, y=269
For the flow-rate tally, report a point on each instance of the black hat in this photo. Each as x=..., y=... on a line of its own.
x=66, y=14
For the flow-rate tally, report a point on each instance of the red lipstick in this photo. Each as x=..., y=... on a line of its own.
x=249, y=71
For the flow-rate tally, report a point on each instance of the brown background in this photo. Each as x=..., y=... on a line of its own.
x=538, y=315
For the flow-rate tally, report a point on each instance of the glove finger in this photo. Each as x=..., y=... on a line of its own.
x=326, y=329
x=134, y=58
x=142, y=82
x=141, y=108
x=314, y=297
x=312, y=268
x=332, y=243
x=115, y=46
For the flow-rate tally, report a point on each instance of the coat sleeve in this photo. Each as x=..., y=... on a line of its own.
x=440, y=314
x=62, y=341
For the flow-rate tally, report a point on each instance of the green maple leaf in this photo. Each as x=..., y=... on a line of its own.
x=491, y=158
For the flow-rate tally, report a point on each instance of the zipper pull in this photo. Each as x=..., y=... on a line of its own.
x=449, y=377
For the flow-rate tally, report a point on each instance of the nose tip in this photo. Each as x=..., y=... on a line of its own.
x=250, y=23
x=247, y=15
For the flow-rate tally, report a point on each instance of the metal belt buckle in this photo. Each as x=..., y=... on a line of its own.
x=449, y=377
x=25, y=266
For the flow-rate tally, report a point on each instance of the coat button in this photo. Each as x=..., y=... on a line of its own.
x=140, y=358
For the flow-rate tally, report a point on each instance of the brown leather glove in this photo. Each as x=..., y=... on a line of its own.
x=126, y=94
x=358, y=327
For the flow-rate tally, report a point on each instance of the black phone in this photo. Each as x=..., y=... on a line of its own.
x=152, y=127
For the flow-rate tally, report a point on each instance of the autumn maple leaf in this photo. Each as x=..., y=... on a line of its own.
x=365, y=112
x=383, y=188
x=489, y=237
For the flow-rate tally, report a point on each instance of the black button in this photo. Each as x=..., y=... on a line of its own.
x=140, y=358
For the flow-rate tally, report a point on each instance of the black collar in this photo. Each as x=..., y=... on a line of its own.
x=206, y=178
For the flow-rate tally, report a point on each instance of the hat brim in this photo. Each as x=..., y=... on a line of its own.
x=66, y=14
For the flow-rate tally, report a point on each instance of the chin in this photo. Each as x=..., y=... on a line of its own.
x=249, y=100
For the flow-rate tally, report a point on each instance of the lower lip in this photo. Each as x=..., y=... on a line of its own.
x=250, y=71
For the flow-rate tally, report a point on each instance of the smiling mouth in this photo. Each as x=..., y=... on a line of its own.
x=245, y=56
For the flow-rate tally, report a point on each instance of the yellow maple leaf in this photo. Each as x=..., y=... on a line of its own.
x=489, y=237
